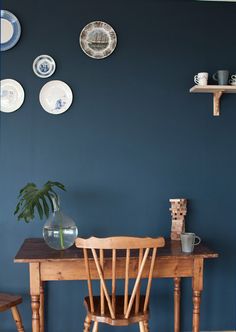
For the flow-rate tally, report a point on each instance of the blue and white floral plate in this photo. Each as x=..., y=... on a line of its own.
x=44, y=66
x=10, y=30
x=55, y=97
x=12, y=95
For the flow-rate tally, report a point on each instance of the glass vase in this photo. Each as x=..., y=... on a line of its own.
x=59, y=231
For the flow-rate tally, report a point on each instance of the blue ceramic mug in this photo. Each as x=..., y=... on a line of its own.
x=221, y=76
x=188, y=241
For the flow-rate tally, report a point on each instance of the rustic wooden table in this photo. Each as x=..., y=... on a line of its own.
x=47, y=264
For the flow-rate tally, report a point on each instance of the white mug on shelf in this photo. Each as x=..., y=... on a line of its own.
x=201, y=78
x=232, y=80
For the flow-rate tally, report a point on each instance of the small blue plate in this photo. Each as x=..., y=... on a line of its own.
x=10, y=30
x=44, y=66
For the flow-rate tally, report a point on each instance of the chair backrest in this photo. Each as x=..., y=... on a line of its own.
x=147, y=251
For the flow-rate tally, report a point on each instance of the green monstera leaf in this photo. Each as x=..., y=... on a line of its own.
x=33, y=199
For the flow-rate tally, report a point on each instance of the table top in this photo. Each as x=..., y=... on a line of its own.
x=36, y=250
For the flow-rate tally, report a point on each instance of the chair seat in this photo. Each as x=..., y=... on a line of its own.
x=8, y=301
x=120, y=319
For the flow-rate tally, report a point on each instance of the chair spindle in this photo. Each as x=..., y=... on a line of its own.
x=149, y=284
x=137, y=281
x=90, y=289
x=126, y=280
x=103, y=283
x=139, y=286
x=113, y=291
x=101, y=254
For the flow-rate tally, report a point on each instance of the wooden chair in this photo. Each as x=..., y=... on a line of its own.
x=10, y=302
x=128, y=308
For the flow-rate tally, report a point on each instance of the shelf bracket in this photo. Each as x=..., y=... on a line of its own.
x=216, y=109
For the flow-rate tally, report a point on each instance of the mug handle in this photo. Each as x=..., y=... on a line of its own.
x=214, y=76
x=196, y=79
x=199, y=240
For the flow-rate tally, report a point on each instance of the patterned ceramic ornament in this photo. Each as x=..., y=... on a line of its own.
x=98, y=40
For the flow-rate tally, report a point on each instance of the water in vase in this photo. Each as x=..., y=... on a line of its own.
x=60, y=238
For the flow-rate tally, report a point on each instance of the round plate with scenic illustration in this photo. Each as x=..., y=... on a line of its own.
x=44, y=66
x=10, y=30
x=98, y=39
x=12, y=95
x=55, y=97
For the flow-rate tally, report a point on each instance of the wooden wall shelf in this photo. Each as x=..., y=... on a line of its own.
x=217, y=91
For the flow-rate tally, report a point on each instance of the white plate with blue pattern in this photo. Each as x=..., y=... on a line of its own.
x=10, y=30
x=56, y=97
x=12, y=95
x=44, y=66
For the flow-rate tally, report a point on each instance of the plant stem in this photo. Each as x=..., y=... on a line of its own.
x=56, y=207
x=61, y=232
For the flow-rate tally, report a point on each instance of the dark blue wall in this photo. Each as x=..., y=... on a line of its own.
x=133, y=138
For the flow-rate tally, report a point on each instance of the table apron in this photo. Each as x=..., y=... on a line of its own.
x=75, y=270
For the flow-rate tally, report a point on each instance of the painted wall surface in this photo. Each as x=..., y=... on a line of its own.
x=133, y=138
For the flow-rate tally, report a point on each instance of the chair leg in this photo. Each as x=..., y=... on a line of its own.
x=146, y=325
x=17, y=318
x=87, y=324
x=95, y=327
x=141, y=327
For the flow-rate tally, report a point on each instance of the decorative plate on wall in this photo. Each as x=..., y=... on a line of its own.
x=12, y=95
x=44, y=66
x=10, y=30
x=98, y=39
x=55, y=97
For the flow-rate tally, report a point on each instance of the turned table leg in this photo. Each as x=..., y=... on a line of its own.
x=196, y=310
x=35, y=295
x=177, y=293
x=41, y=307
x=35, y=304
x=197, y=289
